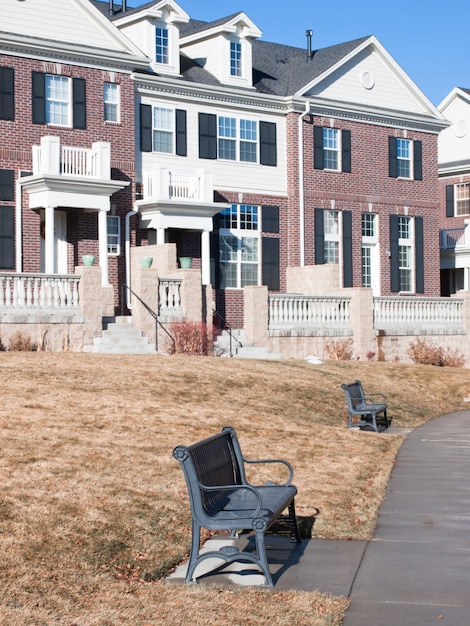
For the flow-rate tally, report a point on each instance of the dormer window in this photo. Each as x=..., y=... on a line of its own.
x=161, y=50
x=235, y=58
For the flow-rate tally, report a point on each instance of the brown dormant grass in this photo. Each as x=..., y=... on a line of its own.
x=93, y=508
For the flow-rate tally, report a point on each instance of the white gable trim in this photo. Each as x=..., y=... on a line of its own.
x=239, y=25
x=453, y=95
x=373, y=43
x=166, y=10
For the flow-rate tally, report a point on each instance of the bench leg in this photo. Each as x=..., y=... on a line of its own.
x=262, y=558
x=194, y=554
x=293, y=523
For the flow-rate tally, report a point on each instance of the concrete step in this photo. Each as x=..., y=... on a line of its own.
x=245, y=351
x=252, y=352
x=120, y=337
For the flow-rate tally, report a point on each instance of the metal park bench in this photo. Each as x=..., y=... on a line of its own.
x=370, y=408
x=222, y=499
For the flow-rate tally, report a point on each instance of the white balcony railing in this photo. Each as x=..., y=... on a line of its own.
x=296, y=311
x=411, y=312
x=38, y=293
x=452, y=238
x=50, y=158
x=169, y=185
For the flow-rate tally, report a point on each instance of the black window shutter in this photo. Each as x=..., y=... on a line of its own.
x=418, y=160
x=346, y=150
x=449, y=200
x=392, y=157
x=7, y=93
x=270, y=266
x=347, y=250
x=319, y=225
x=207, y=136
x=145, y=128
x=419, y=254
x=79, y=103
x=318, y=162
x=38, y=98
x=270, y=216
x=7, y=238
x=267, y=143
x=181, y=139
x=394, y=267
x=7, y=185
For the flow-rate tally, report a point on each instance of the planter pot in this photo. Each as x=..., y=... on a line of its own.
x=88, y=259
x=185, y=262
x=146, y=261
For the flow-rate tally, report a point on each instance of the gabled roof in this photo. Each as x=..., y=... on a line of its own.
x=457, y=92
x=201, y=30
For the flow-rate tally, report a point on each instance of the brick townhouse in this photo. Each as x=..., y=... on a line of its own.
x=250, y=157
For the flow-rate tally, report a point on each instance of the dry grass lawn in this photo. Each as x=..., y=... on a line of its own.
x=93, y=508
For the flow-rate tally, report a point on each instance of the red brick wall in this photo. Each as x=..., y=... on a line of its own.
x=17, y=138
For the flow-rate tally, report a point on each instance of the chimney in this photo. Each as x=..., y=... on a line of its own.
x=124, y=6
x=111, y=6
x=309, y=34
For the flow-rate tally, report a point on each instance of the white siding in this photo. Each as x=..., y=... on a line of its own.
x=212, y=54
x=60, y=20
x=226, y=175
x=389, y=90
x=454, y=142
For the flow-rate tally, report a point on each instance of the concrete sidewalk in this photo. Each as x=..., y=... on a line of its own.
x=416, y=570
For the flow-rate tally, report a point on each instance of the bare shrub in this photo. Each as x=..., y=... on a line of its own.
x=20, y=342
x=339, y=350
x=190, y=338
x=424, y=352
x=370, y=356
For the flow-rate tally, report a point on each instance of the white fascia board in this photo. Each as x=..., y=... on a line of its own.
x=401, y=74
x=70, y=53
x=160, y=86
x=156, y=12
x=231, y=27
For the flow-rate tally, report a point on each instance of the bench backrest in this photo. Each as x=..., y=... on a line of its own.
x=211, y=462
x=354, y=393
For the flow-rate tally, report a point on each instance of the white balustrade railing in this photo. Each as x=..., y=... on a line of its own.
x=165, y=184
x=182, y=186
x=418, y=312
x=79, y=162
x=455, y=238
x=169, y=297
x=38, y=292
x=296, y=311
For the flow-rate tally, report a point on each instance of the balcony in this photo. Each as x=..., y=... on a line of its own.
x=163, y=185
x=455, y=238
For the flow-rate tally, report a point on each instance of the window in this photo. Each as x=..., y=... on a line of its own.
x=114, y=235
x=58, y=100
x=404, y=158
x=163, y=130
x=111, y=102
x=369, y=240
x=331, y=148
x=331, y=250
x=235, y=58
x=237, y=139
x=462, y=199
x=161, y=50
x=405, y=253
x=239, y=246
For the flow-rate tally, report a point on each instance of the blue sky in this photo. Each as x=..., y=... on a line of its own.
x=430, y=40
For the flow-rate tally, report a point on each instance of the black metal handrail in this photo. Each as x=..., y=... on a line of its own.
x=226, y=326
x=152, y=313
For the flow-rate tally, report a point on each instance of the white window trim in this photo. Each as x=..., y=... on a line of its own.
x=456, y=200
x=334, y=237
x=238, y=140
x=239, y=234
x=69, y=100
x=172, y=131
x=338, y=149
x=117, y=104
x=410, y=160
x=408, y=242
x=117, y=251
x=172, y=67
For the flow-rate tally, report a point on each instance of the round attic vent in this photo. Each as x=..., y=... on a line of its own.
x=460, y=128
x=367, y=80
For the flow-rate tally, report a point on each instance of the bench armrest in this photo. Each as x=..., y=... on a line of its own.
x=255, y=513
x=375, y=398
x=286, y=463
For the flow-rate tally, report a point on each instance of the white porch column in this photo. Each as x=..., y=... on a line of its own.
x=103, y=246
x=205, y=258
x=49, y=256
x=466, y=278
x=160, y=236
